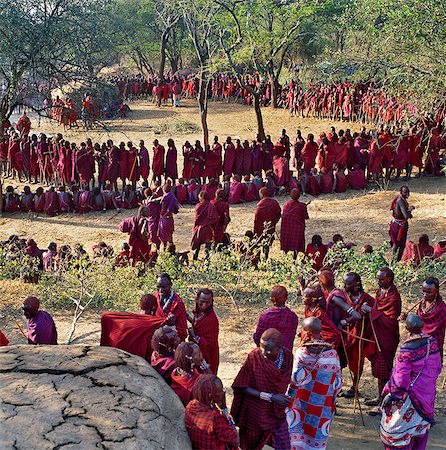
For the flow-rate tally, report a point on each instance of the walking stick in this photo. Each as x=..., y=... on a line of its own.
x=353, y=381
x=20, y=329
x=359, y=366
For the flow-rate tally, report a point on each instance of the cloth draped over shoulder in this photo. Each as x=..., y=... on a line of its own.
x=206, y=328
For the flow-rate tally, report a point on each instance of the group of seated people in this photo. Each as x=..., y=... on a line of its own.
x=275, y=402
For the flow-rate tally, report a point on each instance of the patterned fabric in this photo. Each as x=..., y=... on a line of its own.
x=315, y=382
x=278, y=437
x=435, y=322
x=261, y=374
x=292, y=229
x=176, y=308
x=206, y=329
x=207, y=428
x=280, y=318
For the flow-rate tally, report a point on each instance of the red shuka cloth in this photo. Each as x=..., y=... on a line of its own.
x=182, y=386
x=130, y=332
x=292, y=230
x=329, y=332
x=206, y=328
x=158, y=160
x=267, y=210
x=3, y=340
x=356, y=179
x=206, y=217
x=222, y=208
x=262, y=374
x=229, y=160
x=281, y=171
x=235, y=192
x=176, y=308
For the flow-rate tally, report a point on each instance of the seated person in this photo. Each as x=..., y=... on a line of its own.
x=41, y=326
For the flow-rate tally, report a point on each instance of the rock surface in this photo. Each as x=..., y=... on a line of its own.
x=85, y=397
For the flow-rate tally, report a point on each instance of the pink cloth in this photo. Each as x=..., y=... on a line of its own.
x=42, y=329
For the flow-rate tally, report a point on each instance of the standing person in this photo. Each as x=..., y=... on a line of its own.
x=213, y=160
x=229, y=158
x=309, y=153
x=123, y=164
x=24, y=125
x=222, y=207
x=41, y=326
x=158, y=161
x=399, y=225
x=171, y=161
x=170, y=305
x=384, y=321
x=292, y=229
x=133, y=164
x=204, y=327
x=113, y=165
x=315, y=383
x=280, y=317
x=144, y=161
x=169, y=207
x=409, y=396
x=206, y=417
x=266, y=216
x=260, y=395
x=205, y=220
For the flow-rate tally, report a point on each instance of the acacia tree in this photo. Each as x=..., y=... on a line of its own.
x=46, y=44
x=201, y=19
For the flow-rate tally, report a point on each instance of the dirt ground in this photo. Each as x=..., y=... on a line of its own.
x=361, y=217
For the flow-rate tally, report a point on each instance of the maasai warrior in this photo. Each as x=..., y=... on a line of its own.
x=281, y=170
x=432, y=311
x=138, y=229
x=158, y=161
x=384, y=320
x=409, y=396
x=399, y=226
x=205, y=220
x=206, y=418
x=170, y=305
x=315, y=382
x=169, y=207
x=314, y=302
x=259, y=395
x=292, y=229
x=213, y=163
x=229, y=158
x=356, y=347
x=309, y=152
x=204, y=327
x=144, y=161
x=165, y=340
x=266, y=216
x=132, y=164
x=222, y=208
x=188, y=358
x=41, y=326
x=280, y=317
x=171, y=161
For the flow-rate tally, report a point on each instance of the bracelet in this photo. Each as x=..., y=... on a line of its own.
x=350, y=310
x=265, y=396
x=204, y=365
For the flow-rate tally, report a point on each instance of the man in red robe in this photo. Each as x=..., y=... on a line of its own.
x=222, y=208
x=24, y=125
x=281, y=170
x=309, y=153
x=229, y=158
x=84, y=164
x=52, y=206
x=384, y=323
x=292, y=230
x=212, y=160
x=260, y=395
x=235, y=191
x=170, y=306
x=204, y=328
x=158, y=160
x=205, y=220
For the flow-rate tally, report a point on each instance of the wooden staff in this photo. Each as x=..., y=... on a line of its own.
x=359, y=367
x=20, y=329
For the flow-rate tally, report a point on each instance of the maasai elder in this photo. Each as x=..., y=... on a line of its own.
x=170, y=305
x=259, y=395
x=165, y=340
x=357, y=348
x=206, y=418
x=188, y=359
x=158, y=161
x=266, y=216
x=205, y=220
x=41, y=326
x=280, y=317
x=384, y=320
x=315, y=382
x=292, y=229
x=314, y=303
x=3, y=340
x=222, y=208
x=409, y=396
x=204, y=327
x=137, y=227
x=169, y=207
x=399, y=225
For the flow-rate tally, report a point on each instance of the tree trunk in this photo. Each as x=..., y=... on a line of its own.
x=274, y=90
x=260, y=128
x=163, y=45
x=203, y=106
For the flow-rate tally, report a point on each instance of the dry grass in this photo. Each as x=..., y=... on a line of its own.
x=360, y=216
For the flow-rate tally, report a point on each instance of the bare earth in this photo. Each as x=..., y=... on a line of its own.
x=360, y=217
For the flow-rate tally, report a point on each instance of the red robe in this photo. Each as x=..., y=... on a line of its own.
x=130, y=332
x=206, y=330
x=329, y=332
x=309, y=153
x=356, y=179
x=229, y=160
x=213, y=165
x=292, y=230
x=317, y=255
x=158, y=160
x=327, y=182
x=183, y=386
x=132, y=164
x=3, y=340
x=206, y=217
x=51, y=203
x=222, y=208
x=267, y=210
x=235, y=192
x=84, y=164
x=281, y=171
x=177, y=308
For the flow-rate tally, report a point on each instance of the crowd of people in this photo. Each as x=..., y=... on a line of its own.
x=367, y=102
x=279, y=400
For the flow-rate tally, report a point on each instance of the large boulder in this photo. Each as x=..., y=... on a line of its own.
x=85, y=397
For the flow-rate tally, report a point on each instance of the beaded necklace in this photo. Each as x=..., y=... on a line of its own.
x=279, y=360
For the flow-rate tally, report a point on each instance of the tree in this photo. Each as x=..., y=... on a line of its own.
x=49, y=43
x=201, y=18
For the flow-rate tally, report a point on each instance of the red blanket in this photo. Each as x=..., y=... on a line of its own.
x=267, y=210
x=206, y=329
